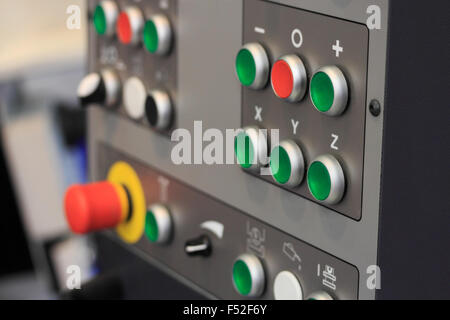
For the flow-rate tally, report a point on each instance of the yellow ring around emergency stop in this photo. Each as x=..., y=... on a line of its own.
x=122, y=173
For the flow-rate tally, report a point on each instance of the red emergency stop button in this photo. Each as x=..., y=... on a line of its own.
x=288, y=78
x=96, y=206
x=130, y=25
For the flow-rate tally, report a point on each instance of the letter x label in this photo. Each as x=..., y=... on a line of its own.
x=258, y=116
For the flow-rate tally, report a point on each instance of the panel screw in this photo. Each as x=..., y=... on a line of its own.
x=375, y=108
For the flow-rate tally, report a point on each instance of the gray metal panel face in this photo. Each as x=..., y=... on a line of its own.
x=210, y=35
x=190, y=208
x=315, y=131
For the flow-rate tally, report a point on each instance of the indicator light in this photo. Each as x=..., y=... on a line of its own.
x=326, y=180
x=157, y=35
x=105, y=17
x=158, y=224
x=129, y=26
x=252, y=66
x=288, y=78
x=248, y=275
x=287, y=163
x=329, y=91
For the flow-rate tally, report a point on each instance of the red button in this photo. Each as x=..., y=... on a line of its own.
x=93, y=207
x=124, y=31
x=282, y=79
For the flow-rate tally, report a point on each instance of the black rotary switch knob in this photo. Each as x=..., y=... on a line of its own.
x=100, y=88
x=92, y=89
x=200, y=246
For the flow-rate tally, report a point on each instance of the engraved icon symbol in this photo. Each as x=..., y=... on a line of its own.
x=289, y=251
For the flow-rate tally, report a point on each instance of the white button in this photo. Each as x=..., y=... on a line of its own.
x=134, y=96
x=287, y=287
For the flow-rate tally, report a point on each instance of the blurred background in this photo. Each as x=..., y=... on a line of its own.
x=42, y=145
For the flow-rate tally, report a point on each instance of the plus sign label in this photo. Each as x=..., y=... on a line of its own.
x=337, y=48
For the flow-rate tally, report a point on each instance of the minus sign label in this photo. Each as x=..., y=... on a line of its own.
x=260, y=30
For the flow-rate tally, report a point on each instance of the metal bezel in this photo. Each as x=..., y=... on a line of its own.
x=164, y=222
x=299, y=78
x=112, y=86
x=164, y=30
x=164, y=109
x=337, y=178
x=261, y=60
x=257, y=274
x=297, y=162
x=340, y=88
x=111, y=11
x=136, y=18
x=319, y=296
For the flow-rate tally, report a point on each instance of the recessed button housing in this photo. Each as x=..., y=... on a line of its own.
x=329, y=91
x=322, y=295
x=129, y=26
x=105, y=18
x=287, y=163
x=326, y=180
x=158, y=110
x=289, y=79
x=157, y=35
x=248, y=275
x=158, y=224
x=252, y=66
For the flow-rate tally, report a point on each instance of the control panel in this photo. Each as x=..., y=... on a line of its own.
x=234, y=144
x=135, y=73
x=313, y=94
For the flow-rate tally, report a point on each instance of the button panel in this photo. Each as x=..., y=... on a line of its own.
x=225, y=251
x=316, y=98
x=141, y=43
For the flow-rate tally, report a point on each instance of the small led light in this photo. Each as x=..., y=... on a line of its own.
x=242, y=277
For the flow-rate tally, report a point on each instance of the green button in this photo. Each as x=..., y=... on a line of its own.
x=151, y=227
x=245, y=67
x=319, y=181
x=322, y=91
x=243, y=148
x=150, y=35
x=100, y=20
x=242, y=278
x=280, y=165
